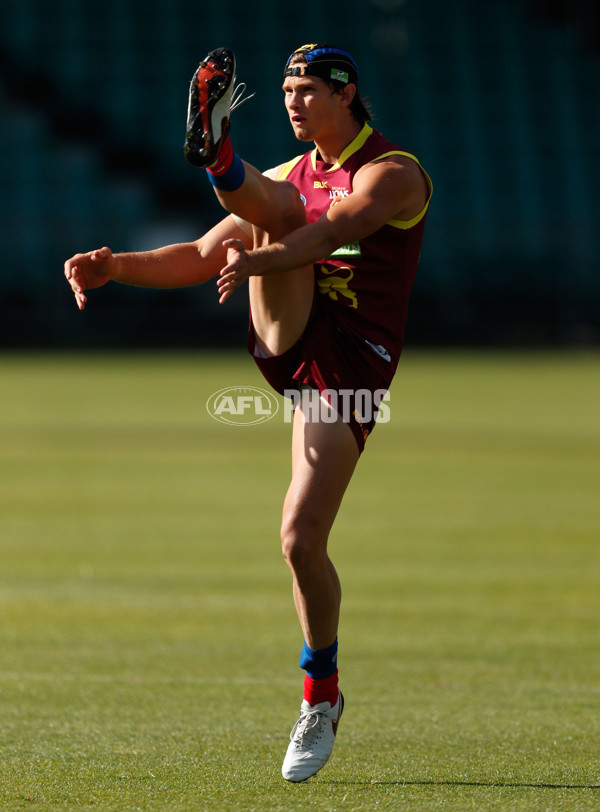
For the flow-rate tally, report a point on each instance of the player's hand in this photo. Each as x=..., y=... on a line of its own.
x=86, y=271
x=235, y=272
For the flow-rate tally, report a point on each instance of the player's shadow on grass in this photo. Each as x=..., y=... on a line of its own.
x=450, y=783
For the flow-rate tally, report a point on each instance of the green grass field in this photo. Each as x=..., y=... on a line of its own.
x=149, y=645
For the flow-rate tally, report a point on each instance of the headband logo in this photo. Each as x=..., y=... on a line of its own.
x=339, y=75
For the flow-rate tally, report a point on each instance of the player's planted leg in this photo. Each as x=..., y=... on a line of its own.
x=324, y=456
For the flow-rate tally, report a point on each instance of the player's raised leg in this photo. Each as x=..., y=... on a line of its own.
x=213, y=95
x=280, y=304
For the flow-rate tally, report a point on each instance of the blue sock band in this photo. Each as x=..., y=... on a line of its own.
x=232, y=179
x=319, y=663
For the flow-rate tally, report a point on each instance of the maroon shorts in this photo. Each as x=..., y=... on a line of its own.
x=325, y=358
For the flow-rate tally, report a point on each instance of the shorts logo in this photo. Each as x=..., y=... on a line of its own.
x=242, y=406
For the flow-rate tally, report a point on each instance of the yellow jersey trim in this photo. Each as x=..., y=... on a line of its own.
x=287, y=168
x=406, y=224
x=352, y=147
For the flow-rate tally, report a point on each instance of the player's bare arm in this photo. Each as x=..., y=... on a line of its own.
x=172, y=266
x=382, y=191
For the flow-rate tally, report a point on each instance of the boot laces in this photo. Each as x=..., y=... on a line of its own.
x=236, y=96
x=307, y=727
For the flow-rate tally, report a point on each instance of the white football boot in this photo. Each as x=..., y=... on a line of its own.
x=312, y=739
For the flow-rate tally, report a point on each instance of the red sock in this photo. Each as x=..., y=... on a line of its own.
x=224, y=158
x=321, y=690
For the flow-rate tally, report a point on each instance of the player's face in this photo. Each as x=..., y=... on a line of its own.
x=311, y=106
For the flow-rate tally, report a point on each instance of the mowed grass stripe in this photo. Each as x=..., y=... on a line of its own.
x=149, y=644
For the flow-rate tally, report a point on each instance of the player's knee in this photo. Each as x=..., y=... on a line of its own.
x=296, y=204
x=290, y=209
x=303, y=541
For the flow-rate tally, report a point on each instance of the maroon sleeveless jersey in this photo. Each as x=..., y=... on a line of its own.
x=365, y=285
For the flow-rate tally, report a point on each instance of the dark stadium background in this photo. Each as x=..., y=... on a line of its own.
x=499, y=99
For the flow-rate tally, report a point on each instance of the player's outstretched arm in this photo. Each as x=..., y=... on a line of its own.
x=87, y=271
x=172, y=266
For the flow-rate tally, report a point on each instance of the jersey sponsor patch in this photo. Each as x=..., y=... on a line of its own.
x=351, y=250
x=338, y=193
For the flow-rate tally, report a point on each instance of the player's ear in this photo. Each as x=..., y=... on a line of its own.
x=348, y=93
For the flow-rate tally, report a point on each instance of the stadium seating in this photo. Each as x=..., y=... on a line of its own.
x=500, y=105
